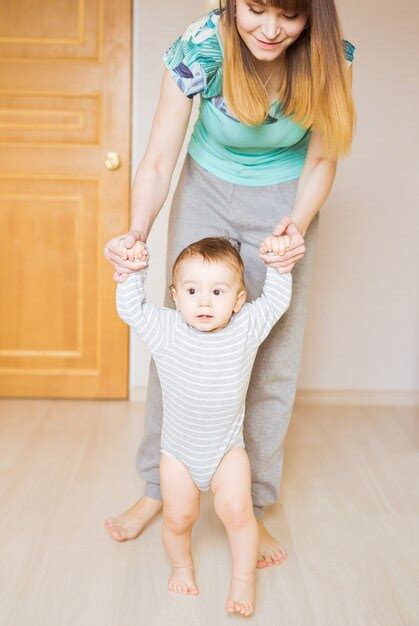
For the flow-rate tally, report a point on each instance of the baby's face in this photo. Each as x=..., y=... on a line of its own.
x=207, y=293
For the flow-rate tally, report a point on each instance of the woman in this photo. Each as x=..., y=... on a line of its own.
x=276, y=113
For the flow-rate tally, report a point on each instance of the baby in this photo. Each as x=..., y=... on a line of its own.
x=204, y=352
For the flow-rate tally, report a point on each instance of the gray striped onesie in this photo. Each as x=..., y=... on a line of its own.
x=204, y=375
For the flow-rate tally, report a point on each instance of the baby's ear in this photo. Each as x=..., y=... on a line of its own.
x=240, y=300
x=173, y=294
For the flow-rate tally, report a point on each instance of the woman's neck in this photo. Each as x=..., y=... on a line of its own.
x=274, y=69
x=271, y=75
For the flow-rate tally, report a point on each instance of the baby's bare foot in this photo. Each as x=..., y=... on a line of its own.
x=182, y=580
x=270, y=552
x=130, y=524
x=241, y=598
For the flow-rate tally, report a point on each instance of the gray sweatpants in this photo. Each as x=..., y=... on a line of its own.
x=203, y=206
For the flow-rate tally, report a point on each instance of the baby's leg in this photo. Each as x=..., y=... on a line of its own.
x=181, y=500
x=233, y=503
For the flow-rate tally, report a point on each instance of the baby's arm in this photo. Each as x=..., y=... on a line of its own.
x=153, y=324
x=266, y=310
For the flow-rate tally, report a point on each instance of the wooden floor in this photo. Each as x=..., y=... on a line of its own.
x=348, y=516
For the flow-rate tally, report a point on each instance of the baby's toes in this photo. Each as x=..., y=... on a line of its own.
x=245, y=610
x=242, y=608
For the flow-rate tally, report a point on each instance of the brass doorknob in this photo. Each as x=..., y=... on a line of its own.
x=112, y=161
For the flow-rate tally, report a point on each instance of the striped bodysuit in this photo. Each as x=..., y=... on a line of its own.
x=204, y=376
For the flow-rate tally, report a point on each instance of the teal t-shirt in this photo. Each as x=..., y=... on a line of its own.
x=267, y=154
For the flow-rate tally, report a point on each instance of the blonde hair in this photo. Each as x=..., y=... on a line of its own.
x=315, y=91
x=211, y=249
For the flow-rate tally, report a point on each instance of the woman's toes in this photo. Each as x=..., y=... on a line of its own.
x=261, y=563
x=109, y=523
x=111, y=528
x=230, y=606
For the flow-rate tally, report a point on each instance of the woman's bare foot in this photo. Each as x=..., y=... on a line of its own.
x=130, y=524
x=270, y=552
x=182, y=580
x=241, y=598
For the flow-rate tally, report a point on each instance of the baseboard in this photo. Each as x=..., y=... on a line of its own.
x=356, y=397
x=137, y=394
x=333, y=397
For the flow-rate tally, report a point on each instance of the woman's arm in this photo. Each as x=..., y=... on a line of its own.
x=315, y=182
x=313, y=188
x=153, y=176
x=314, y=185
x=154, y=173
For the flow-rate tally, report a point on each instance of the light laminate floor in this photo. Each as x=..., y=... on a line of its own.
x=348, y=516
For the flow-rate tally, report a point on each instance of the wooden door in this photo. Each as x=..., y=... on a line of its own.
x=65, y=94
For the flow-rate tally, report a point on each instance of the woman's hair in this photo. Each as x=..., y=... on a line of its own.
x=316, y=88
x=211, y=249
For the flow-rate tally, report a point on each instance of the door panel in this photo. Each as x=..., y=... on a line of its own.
x=65, y=93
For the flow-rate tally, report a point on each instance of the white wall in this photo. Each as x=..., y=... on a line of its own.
x=362, y=330
x=156, y=26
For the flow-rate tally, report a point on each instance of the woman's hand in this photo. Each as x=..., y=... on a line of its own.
x=120, y=251
x=285, y=259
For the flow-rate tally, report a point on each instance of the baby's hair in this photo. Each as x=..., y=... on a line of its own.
x=212, y=249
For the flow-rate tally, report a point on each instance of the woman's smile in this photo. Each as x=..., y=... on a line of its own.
x=267, y=45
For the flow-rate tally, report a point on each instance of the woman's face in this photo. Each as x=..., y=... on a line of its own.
x=267, y=30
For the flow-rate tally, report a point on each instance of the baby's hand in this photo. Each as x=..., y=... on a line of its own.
x=138, y=252
x=275, y=245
